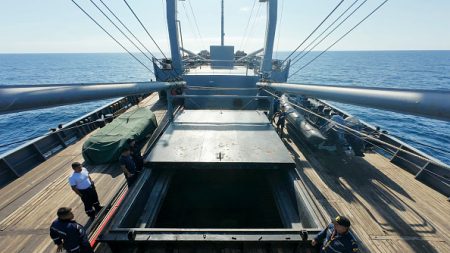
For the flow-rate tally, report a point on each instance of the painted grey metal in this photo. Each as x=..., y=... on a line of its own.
x=426, y=103
x=223, y=138
x=171, y=8
x=14, y=98
x=266, y=67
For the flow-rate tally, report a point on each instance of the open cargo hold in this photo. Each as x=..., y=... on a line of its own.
x=219, y=180
x=104, y=146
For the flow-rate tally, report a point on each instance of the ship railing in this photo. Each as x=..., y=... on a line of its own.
x=20, y=160
x=424, y=167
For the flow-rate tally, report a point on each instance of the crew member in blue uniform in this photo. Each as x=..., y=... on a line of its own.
x=83, y=185
x=336, y=238
x=281, y=120
x=128, y=166
x=136, y=155
x=68, y=234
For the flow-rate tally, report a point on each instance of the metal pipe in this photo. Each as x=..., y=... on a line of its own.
x=190, y=53
x=16, y=98
x=250, y=55
x=426, y=103
x=222, y=26
x=266, y=67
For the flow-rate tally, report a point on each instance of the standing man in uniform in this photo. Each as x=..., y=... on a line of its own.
x=83, y=185
x=68, y=234
x=336, y=238
x=128, y=166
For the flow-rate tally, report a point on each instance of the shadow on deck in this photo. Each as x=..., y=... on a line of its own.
x=390, y=211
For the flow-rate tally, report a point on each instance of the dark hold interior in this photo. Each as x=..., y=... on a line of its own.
x=219, y=199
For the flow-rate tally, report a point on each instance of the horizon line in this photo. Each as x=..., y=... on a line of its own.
x=280, y=51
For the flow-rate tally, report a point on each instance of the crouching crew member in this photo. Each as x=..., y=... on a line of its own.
x=136, y=155
x=128, y=166
x=83, y=185
x=68, y=234
x=336, y=237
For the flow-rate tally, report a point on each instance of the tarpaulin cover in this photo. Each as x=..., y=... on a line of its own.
x=105, y=145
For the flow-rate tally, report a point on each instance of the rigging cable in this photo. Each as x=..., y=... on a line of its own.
x=279, y=27
x=112, y=37
x=191, y=26
x=248, y=22
x=134, y=36
x=120, y=30
x=139, y=20
x=360, y=136
x=196, y=24
x=328, y=48
x=252, y=26
x=312, y=42
x=323, y=21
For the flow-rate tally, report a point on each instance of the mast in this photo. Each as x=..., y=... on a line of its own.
x=222, y=35
x=266, y=67
x=171, y=6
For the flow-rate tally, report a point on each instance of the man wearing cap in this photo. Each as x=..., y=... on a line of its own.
x=83, y=185
x=336, y=238
x=68, y=234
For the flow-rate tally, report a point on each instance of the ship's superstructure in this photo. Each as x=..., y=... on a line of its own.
x=219, y=177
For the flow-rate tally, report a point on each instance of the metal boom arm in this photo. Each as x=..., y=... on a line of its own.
x=427, y=103
x=15, y=98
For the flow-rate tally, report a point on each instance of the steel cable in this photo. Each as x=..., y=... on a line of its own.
x=328, y=48
x=148, y=33
x=121, y=31
x=324, y=31
x=132, y=34
x=247, y=25
x=112, y=37
x=359, y=135
x=323, y=21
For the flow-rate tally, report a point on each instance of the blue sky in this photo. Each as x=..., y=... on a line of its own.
x=58, y=26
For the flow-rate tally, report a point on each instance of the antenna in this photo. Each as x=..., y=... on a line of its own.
x=222, y=36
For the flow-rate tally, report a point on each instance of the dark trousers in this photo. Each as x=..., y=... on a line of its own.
x=90, y=200
x=139, y=161
x=131, y=180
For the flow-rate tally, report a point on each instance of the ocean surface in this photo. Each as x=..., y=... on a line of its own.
x=400, y=69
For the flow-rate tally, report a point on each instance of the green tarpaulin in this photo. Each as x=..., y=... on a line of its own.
x=105, y=145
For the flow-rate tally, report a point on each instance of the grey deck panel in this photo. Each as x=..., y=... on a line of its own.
x=221, y=137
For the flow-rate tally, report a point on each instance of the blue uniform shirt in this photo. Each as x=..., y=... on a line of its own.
x=345, y=243
x=69, y=233
x=129, y=163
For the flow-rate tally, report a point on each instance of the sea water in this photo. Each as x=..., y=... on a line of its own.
x=394, y=69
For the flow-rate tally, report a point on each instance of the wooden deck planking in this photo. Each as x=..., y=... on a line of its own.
x=390, y=210
x=28, y=205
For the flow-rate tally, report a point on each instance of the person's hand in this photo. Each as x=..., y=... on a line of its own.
x=313, y=242
x=92, y=182
x=60, y=248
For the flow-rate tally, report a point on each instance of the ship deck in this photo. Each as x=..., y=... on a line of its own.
x=28, y=205
x=390, y=210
